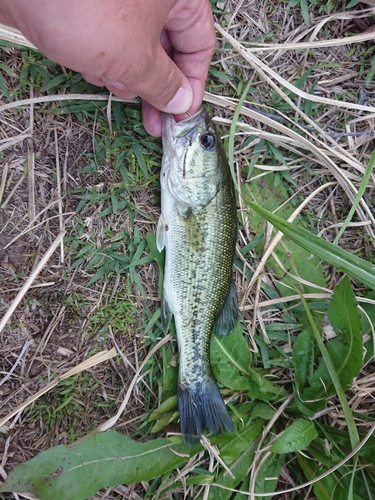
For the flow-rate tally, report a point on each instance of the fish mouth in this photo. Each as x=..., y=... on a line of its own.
x=173, y=130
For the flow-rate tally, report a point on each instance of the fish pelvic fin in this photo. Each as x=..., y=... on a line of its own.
x=226, y=320
x=161, y=234
x=202, y=408
x=166, y=315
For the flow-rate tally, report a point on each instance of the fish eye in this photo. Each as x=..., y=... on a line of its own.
x=208, y=141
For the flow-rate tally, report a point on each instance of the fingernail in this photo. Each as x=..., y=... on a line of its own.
x=181, y=102
x=117, y=85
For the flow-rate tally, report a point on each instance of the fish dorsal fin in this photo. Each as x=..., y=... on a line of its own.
x=226, y=320
x=161, y=234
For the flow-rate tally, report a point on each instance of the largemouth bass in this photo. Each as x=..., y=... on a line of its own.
x=198, y=228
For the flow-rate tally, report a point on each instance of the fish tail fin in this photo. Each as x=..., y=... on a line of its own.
x=202, y=408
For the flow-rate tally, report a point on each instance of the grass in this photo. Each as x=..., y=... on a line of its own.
x=84, y=311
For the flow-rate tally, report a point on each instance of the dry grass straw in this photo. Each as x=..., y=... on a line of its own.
x=277, y=238
x=14, y=37
x=31, y=280
x=339, y=160
x=100, y=357
x=57, y=98
x=322, y=153
x=314, y=30
x=108, y=424
x=252, y=495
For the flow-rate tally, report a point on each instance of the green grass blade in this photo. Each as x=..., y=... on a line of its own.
x=353, y=433
x=4, y=89
x=55, y=82
x=232, y=132
x=361, y=190
x=303, y=358
x=341, y=259
x=290, y=255
x=140, y=158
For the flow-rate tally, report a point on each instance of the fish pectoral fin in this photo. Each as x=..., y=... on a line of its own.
x=161, y=234
x=226, y=320
x=166, y=315
x=193, y=231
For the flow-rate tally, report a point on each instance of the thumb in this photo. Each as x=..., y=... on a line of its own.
x=162, y=84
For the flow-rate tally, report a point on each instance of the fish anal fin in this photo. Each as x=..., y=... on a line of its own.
x=226, y=320
x=202, y=408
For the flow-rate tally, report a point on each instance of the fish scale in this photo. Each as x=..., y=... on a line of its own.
x=198, y=228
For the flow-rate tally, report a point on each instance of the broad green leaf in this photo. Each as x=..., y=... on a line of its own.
x=343, y=312
x=230, y=362
x=192, y=480
x=334, y=378
x=268, y=475
x=292, y=259
x=336, y=484
x=164, y=420
x=168, y=383
x=341, y=259
x=342, y=439
x=368, y=452
x=303, y=358
x=368, y=319
x=303, y=78
x=346, y=321
x=324, y=488
x=7, y=69
x=104, y=460
x=316, y=395
x=345, y=350
x=99, y=274
x=117, y=110
x=238, y=454
x=305, y=11
x=168, y=405
x=352, y=4
x=263, y=389
x=262, y=410
x=323, y=452
x=220, y=74
x=296, y=436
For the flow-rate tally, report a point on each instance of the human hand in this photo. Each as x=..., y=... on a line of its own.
x=158, y=50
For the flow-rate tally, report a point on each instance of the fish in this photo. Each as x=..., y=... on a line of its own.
x=198, y=229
